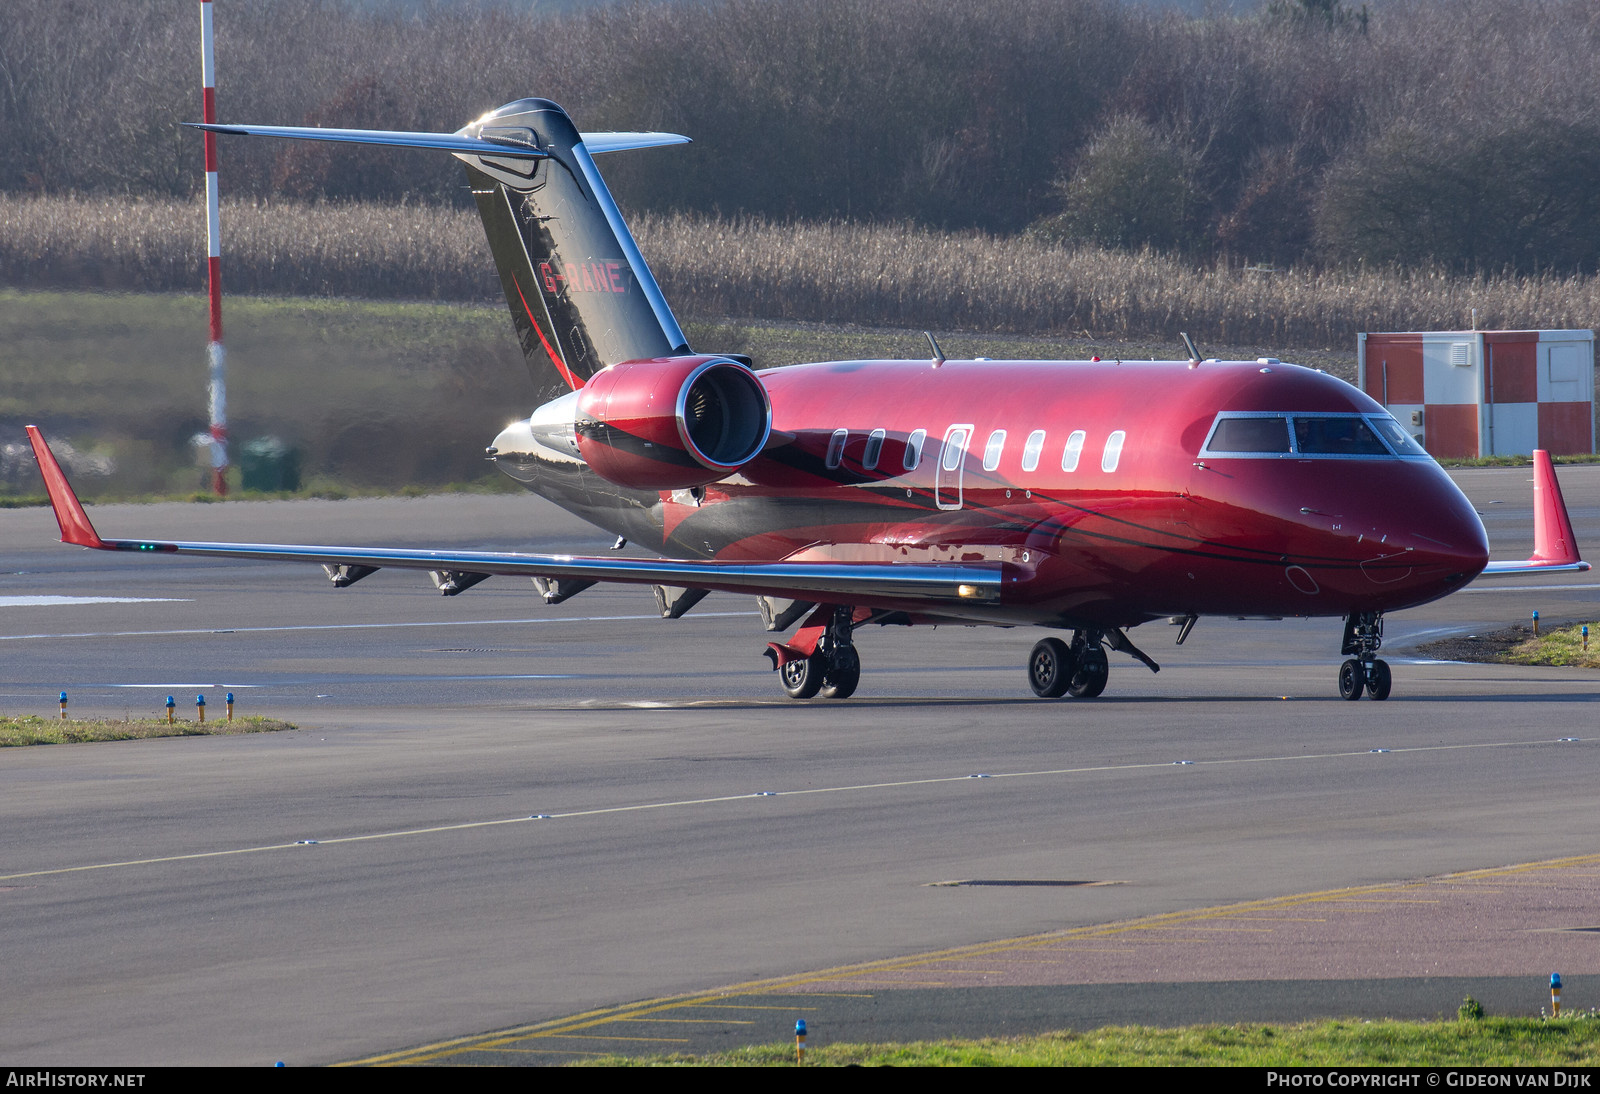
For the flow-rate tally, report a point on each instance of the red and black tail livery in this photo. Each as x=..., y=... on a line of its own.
x=580, y=293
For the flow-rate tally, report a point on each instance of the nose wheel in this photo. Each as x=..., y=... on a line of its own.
x=1365, y=673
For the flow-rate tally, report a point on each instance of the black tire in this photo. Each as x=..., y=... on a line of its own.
x=840, y=681
x=1379, y=680
x=1050, y=668
x=1090, y=678
x=802, y=677
x=1352, y=680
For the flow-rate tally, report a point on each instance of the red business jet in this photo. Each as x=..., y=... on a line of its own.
x=1085, y=497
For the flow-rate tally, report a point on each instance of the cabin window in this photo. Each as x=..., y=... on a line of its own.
x=869, y=458
x=991, y=452
x=1074, y=449
x=836, y=448
x=1031, y=450
x=914, y=445
x=954, y=442
x=1113, y=453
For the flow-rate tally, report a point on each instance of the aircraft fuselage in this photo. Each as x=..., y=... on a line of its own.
x=1101, y=498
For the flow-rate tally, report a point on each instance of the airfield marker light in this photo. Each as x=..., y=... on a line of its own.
x=200, y=705
x=1586, y=638
x=1536, y=623
x=1555, y=995
x=170, y=705
x=800, y=1041
x=63, y=706
x=230, y=706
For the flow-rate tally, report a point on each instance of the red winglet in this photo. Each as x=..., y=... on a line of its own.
x=1553, y=541
x=74, y=522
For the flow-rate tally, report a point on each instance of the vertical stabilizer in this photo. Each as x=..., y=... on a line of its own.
x=580, y=293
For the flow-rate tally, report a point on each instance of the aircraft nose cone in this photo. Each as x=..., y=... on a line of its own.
x=1425, y=537
x=1454, y=541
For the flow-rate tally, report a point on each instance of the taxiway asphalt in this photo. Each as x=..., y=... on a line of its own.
x=497, y=813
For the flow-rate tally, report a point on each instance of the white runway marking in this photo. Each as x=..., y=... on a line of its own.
x=497, y=822
x=367, y=626
x=175, y=687
x=1524, y=588
x=65, y=601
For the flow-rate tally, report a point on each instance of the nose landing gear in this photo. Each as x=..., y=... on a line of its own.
x=1363, y=673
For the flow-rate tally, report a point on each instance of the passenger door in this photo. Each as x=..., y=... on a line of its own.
x=952, y=465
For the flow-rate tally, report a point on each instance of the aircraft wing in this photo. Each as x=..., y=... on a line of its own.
x=1555, y=548
x=888, y=585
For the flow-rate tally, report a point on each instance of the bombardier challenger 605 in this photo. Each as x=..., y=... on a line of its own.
x=1083, y=497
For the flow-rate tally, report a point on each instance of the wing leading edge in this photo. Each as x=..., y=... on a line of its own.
x=889, y=585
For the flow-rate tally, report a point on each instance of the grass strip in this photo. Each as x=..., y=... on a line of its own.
x=1557, y=644
x=1516, y=461
x=1487, y=1042
x=1561, y=645
x=34, y=730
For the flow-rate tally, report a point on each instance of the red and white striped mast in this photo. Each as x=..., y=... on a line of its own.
x=219, y=393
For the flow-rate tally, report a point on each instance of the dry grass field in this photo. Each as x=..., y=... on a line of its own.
x=374, y=338
x=866, y=275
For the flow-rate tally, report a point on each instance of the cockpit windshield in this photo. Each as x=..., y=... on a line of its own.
x=1399, y=440
x=1336, y=437
x=1250, y=435
x=1320, y=436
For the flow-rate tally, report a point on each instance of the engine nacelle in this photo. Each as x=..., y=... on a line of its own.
x=673, y=422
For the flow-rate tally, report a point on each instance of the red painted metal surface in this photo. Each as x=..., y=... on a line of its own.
x=70, y=517
x=640, y=422
x=1164, y=533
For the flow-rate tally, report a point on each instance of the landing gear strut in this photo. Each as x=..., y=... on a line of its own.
x=1364, y=672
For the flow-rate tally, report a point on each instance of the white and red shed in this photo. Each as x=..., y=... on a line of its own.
x=1485, y=392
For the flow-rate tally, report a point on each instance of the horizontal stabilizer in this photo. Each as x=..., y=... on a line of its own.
x=1555, y=547
x=501, y=147
x=597, y=143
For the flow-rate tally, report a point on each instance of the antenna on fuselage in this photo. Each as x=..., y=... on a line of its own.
x=933, y=344
x=1188, y=344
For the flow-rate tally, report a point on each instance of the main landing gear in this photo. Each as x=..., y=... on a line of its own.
x=1080, y=669
x=1364, y=672
x=833, y=670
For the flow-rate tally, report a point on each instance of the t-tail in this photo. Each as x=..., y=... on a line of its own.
x=581, y=295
